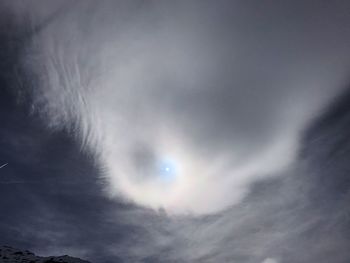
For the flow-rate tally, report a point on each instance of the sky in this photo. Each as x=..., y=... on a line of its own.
x=176, y=131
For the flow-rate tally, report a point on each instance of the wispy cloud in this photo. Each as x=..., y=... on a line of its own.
x=167, y=85
x=194, y=107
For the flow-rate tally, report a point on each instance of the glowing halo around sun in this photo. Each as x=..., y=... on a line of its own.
x=184, y=181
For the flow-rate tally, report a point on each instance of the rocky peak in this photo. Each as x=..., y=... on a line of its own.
x=13, y=255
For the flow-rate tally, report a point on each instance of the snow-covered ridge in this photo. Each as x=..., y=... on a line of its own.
x=13, y=255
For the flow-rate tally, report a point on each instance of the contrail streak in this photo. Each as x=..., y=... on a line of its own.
x=3, y=165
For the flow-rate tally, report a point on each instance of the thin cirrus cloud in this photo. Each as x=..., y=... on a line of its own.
x=185, y=105
x=189, y=106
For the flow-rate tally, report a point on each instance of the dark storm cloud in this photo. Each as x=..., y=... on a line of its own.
x=52, y=197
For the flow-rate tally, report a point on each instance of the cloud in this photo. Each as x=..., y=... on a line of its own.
x=115, y=100
x=270, y=260
x=187, y=84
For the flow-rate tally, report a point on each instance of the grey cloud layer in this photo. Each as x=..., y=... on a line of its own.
x=221, y=83
x=231, y=75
